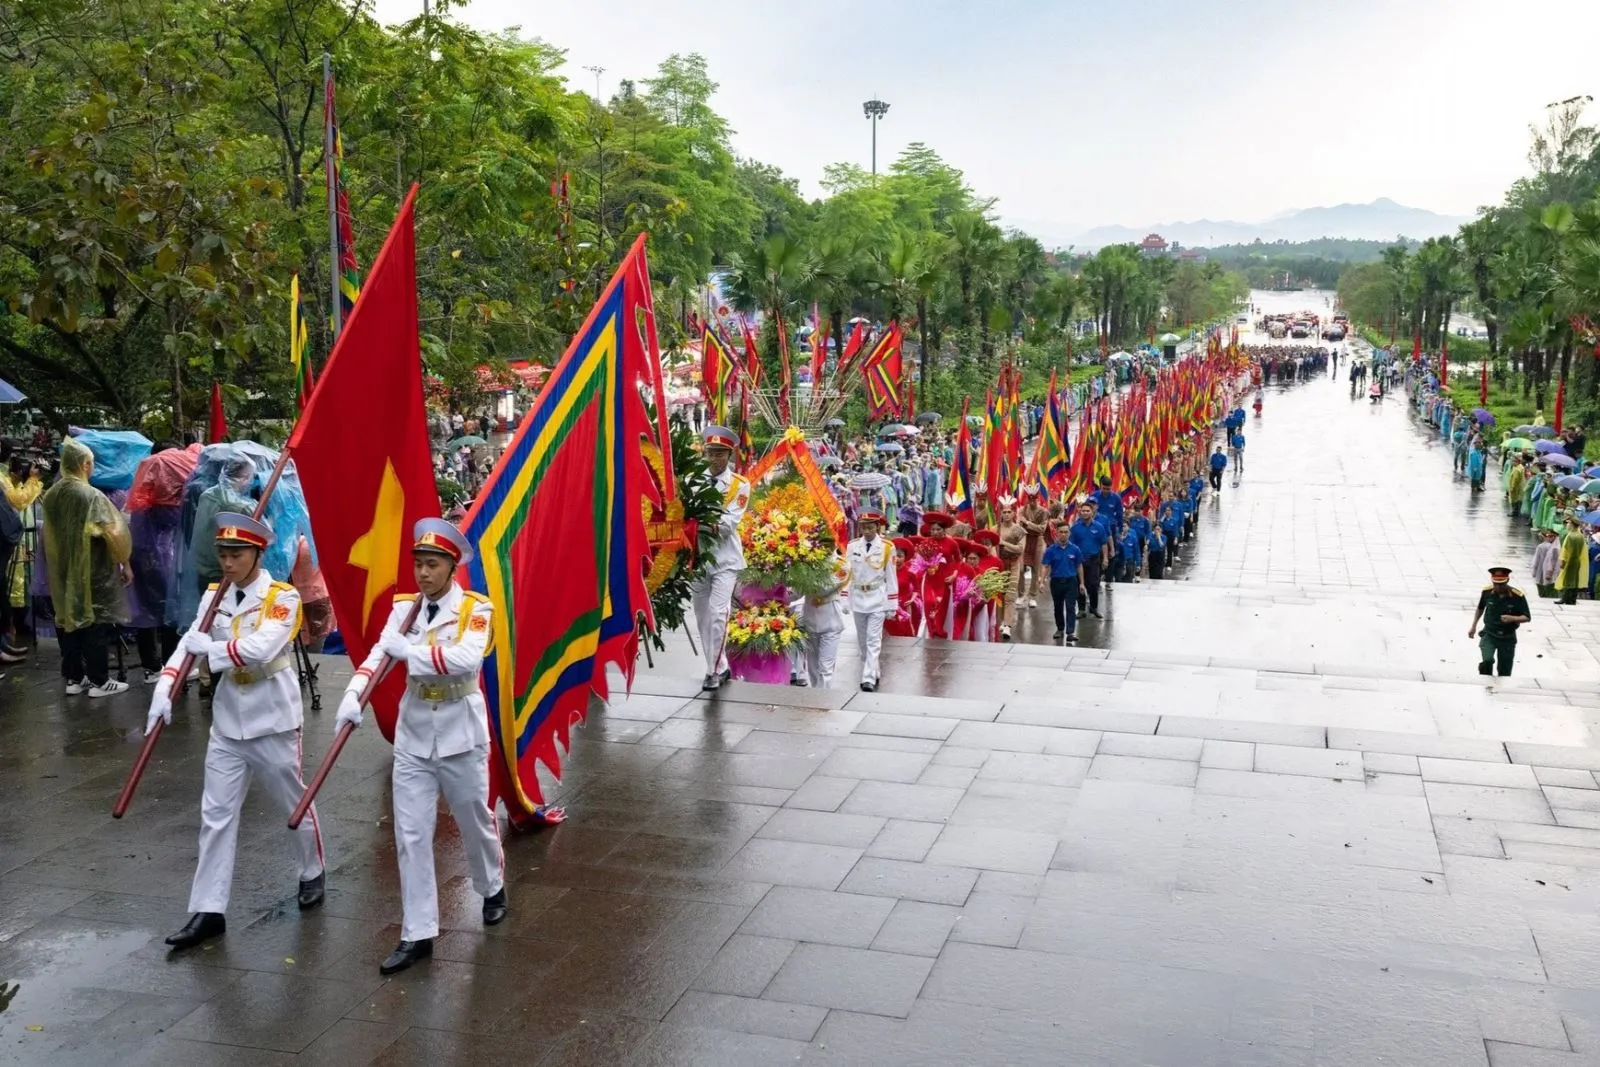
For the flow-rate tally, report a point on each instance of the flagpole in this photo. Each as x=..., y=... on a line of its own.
x=186, y=664
x=328, y=166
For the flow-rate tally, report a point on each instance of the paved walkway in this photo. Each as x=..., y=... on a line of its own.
x=1267, y=815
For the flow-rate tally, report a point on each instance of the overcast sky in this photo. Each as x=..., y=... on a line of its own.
x=1078, y=114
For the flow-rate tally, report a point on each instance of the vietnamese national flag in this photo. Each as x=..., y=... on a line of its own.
x=361, y=450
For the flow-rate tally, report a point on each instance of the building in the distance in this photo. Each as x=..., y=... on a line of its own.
x=1153, y=245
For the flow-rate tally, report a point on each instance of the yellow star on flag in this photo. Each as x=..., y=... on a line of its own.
x=378, y=550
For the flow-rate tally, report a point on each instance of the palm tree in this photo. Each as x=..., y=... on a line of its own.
x=769, y=278
x=974, y=241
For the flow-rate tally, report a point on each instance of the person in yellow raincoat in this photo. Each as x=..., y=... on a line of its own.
x=86, y=548
x=21, y=485
x=1573, y=573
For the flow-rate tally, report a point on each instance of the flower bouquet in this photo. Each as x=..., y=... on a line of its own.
x=991, y=584
x=761, y=637
x=792, y=549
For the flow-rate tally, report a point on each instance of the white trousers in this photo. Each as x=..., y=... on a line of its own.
x=713, y=595
x=821, y=652
x=464, y=781
x=869, y=641
x=230, y=764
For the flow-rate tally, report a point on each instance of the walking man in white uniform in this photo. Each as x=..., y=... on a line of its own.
x=874, y=591
x=441, y=740
x=823, y=619
x=255, y=721
x=713, y=591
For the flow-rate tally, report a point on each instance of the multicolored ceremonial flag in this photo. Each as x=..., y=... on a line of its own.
x=1050, y=457
x=561, y=539
x=299, y=358
x=367, y=480
x=348, y=271
x=717, y=374
x=959, y=492
x=883, y=371
x=752, y=356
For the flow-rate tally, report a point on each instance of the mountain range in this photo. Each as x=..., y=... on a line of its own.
x=1381, y=220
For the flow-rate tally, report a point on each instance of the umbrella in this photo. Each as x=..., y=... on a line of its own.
x=901, y=430
x=833, y=424
x=928, y=417
x=1483, y=416
x=1558, y=459
x=1170, y=338
x=870, y=480
x=827, y=463
x=1569, y=481
x=1547, y=446
x=974, y=420
x=471, y=440
x=1536, y=431
x=890, y=448
x=10, y=394
x=1593, y=472
x=1517, y=444
x=1525, y=429
x=1590, y=487
x=1590, y=518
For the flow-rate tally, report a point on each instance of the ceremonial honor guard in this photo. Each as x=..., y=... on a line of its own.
x=874, y=592
x=441, y=739
x=713, y=591
x=255, y=720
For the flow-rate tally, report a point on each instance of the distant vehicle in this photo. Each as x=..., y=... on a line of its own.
x=1276, y=330
x=1242, y=318
x=1299, y=330
x=1333, y=333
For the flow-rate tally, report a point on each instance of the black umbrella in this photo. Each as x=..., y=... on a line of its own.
x=927, y=417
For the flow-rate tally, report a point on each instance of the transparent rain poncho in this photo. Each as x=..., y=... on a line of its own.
x=155, y=507
x=85, y=541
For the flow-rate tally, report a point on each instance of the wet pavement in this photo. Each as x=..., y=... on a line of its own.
x=1267, y=814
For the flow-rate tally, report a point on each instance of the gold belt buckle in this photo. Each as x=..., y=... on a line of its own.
x=242, y=677
x=432, y=692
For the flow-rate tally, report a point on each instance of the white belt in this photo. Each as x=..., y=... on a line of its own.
x=442, y=688
x=870, y=587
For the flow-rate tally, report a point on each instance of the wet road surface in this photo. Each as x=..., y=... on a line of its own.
x=1268, y=814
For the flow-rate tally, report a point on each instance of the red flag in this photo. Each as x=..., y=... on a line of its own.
x=858, y=337
x=1416, y=346
x=218, y=430
x=368, y=480
x=1561, y=400
x=752, y=358
x=1444, y=364
x=1483, y=384
x=883, y=370
x=783, y=369
x=819, y=348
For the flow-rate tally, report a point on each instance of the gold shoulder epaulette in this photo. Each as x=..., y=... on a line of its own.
x=468, y=594
x=212, y=588
x=1488, y=587
x=287, y=586
x=404, y=597
x=1515, y=590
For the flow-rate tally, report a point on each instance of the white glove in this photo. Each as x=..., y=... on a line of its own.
x=349, y=710
x=394, y=645
x=196, y=643
x=160, y=710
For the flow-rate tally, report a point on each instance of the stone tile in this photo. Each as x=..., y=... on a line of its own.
x=992, y=919
x=1140, y=769
x=668, y=1046
x=822, y=827
x=1503, y=1054
x=1587, y=759
x=821, y=793
x=1417, y=745
x=780, y=772
x=717, y=1011
x=1390, y=763
x=860, y=980
x=994, y=849
x=1470, y=772
x=792, y=863
x=1567, y=778
x=1228, y=755
x=916, y=928
x=1023, y=814
x=907, y=726
x=795, y=914
x=1487, y=802
x=869, y=765
x=892, y=800
x=1572, y=799
x=1076, y=716
x=1152, y=746
x=1568, y=817
x=1232, y=730
x=273, y=1011
x=905, y=839
x=949, y=777
x=941, y=707
x=744, y=965
x=1064, y=771
x=927, y=882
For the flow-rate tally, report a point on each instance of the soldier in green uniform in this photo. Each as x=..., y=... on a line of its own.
x=1501, y=608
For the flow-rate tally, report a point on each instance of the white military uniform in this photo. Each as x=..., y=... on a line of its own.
x=713, y=591
x=441, y=744
x=823, y=619
x=874, y=594
x=255, y=729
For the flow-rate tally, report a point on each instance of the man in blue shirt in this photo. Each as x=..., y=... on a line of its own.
x=1130, y=556
x=1236, y=452
x=1093, y=541
x=1108, y=505
x=1156, y=554
x=1064, y=563
x=1219, y=463
x=1172, y=513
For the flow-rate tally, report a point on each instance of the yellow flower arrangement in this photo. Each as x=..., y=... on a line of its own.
x=786, y=547
x=767, y=627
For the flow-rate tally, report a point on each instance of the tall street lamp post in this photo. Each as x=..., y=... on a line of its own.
x=874, y=110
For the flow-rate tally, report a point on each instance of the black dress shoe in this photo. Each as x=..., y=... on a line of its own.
x=711, y=683
x=203, y=926
x=311, y=892
x=405, y=954
x=494, y=908
x=727, y=675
